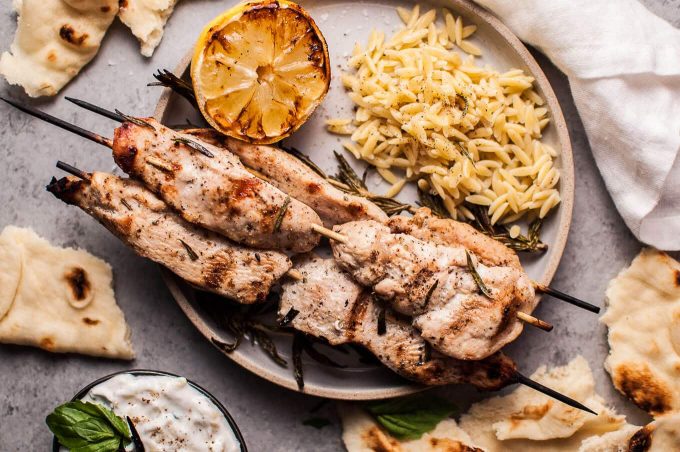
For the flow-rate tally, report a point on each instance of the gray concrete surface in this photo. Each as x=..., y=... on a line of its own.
x=32, y=382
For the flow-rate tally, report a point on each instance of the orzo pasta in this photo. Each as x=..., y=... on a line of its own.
x=426, y=111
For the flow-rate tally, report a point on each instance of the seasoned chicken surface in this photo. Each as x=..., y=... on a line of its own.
x=332, y=306
x=432, y=284
x=292, y=176
x=430, y=228
x=215, y=190
x=145, y=223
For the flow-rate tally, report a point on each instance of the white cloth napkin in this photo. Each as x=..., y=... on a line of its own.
x=623, y=65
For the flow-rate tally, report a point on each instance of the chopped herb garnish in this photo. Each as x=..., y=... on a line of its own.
x=316, y=422
x=410, y=417
x=282, y=213
x=475, y=275
x=192, y=254
x=290, y=315
x=194, y=145
x=86, y=426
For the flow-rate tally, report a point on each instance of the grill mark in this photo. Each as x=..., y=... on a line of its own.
x=77, y=280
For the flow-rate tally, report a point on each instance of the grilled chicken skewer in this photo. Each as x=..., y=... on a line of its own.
x=331, y=306
x=290, y=175
x=206, y=185
x=153, y=230
x=457, y=313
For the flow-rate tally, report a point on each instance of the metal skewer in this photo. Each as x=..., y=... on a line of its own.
x=60, y=123
x=521, y=379
x=109, y=143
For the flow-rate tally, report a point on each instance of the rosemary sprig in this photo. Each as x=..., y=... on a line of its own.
x=195, y=146
x=433, y=202
x=531, y=243
x=282, y=213
x=192, y=254
x=430, y=292
x=305, y=159
x=478, y=279
x=136, y=121
x=355, y=185
x=169, y=80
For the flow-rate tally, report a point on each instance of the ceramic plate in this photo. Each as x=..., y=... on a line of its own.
x=343, y=23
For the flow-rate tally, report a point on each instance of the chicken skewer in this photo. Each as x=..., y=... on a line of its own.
x=207, y=186
x=153, y=230
x=102, y=140
x=466, y=310
x=329, y=305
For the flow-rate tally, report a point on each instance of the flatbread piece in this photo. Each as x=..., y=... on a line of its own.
x=146, y=19
x=64, y=301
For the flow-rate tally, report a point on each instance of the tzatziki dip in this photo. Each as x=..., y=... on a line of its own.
x=168, y=412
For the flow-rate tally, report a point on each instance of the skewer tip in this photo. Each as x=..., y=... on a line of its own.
x=566, y=297
x=521, y=379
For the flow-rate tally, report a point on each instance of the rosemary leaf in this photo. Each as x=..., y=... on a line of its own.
x=298, y=373
x=126, y=204
x=225, y=346
x=463, y=150
x=192, y=254
x=478, y=279
x=430, y=292
x=194, y=145
x=305, y=159
x=136, y=121
x=382, y=324
x=290, y=315
x=281, y=214
x=466, y=105
x=267, y=345
x=169, y=80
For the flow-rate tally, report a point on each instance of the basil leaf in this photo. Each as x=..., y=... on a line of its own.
x=87, y=427
x=110, y=445
x=410, y=417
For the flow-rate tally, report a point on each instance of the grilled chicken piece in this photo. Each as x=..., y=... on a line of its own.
x=432, y=284
x=430, y=228
x=145, y=223
x=332, y=306
x=292, y=176
x=215, y=192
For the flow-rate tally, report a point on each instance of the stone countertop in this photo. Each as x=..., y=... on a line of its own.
x=33, y=382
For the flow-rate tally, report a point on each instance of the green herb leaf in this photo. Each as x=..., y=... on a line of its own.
x=87, y=427
x=316, y=422
x=410, y=417
x=281, y=214
x=475, y=275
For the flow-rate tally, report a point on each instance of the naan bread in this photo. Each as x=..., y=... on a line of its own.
x=53, y=41
x=146, y=19
x=527, y=421
x=64, y=301
x=662, y=435
x=361, y=433
x=643, y=317
x=616, y=441
x=10, y=274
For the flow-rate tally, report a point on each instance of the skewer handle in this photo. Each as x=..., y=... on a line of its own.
x=533, y=321
x=328, y=233
x=566, y=297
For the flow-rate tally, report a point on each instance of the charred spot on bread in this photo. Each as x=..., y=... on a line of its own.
x=68, y=34
x=77, y=280
x=89, y=321
x=641, y=440
x=640, y=385
x=47, y=343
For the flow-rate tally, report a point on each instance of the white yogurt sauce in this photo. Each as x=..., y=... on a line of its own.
x=168, y=413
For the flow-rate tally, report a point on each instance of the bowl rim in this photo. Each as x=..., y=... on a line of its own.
x=564, y=213
x=150, y=372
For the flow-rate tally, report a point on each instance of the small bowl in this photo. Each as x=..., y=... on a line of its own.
x=140, y=372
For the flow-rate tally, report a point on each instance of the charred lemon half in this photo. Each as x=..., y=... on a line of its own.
x=260, y=70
